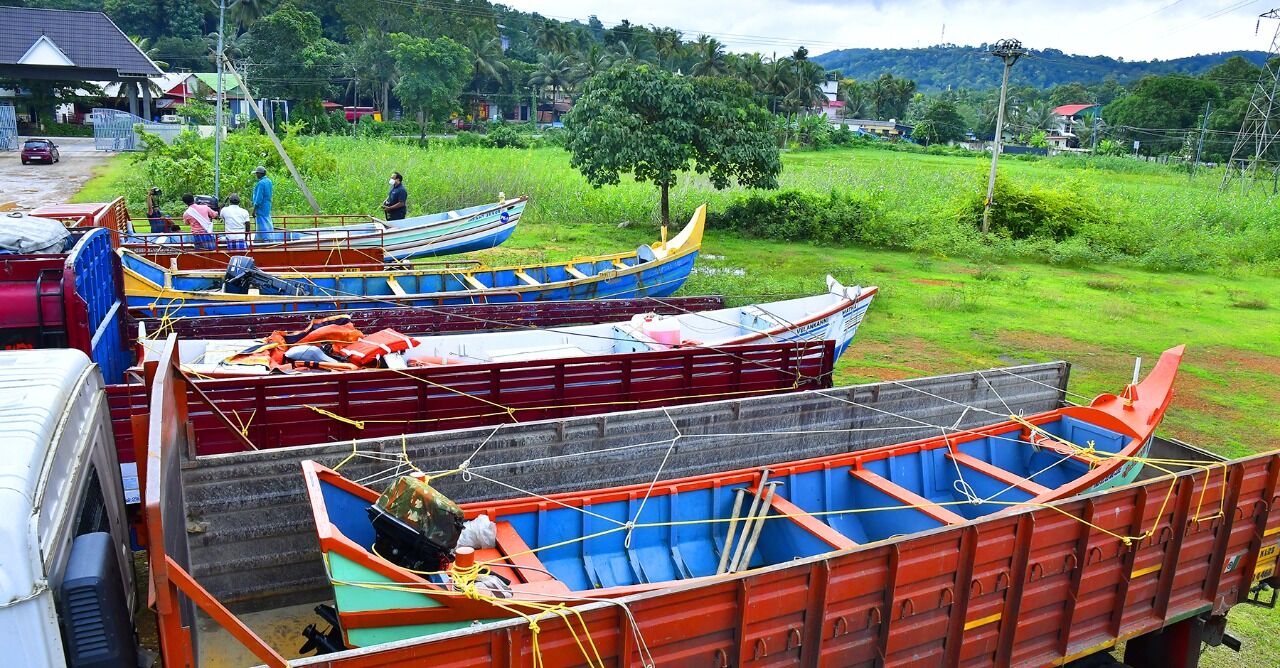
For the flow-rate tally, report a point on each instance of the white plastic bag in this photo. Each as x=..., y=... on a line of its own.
x=479, y=534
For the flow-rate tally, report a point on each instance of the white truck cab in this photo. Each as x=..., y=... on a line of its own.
x=66, y=575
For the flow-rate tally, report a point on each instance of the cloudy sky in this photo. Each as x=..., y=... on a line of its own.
x=1132, y=29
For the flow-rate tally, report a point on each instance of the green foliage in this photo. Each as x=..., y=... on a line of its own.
x=1111, y=147
x=949, y=66
x=1038, y=139
x=433, y=73
x=507, y=135
x=799, y=215
x=292, y=60
x=1032, y=212
x=940, y=123
x=186, y=166
x=67, y=130
x=197, y=111
x=1172, y=101
x=650, y=123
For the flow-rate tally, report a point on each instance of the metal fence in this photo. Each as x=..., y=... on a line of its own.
x=8, y=128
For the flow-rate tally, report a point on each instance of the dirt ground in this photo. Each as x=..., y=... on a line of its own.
x=24, y=187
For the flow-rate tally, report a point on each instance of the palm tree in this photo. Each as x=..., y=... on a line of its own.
x=245, y=12
x=630, y=53
x=554, y=36
x=591, y=62
x=486, y=55
x=806, y=84
x=147, y=46
x=553, y=73
x=666, y=44
x=752, y=69
x=710, y=56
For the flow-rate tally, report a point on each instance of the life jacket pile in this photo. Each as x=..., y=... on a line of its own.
x=336, y=336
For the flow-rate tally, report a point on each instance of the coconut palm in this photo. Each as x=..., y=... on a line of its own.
x=147, y=46
x=245, y=12
x=709, y=57
x=592, y=62
x=752, y=69
x=807, y=78
x=666, y=44
x=486, y=55
x=554, y=36
x=553, y=74
x=630, y=53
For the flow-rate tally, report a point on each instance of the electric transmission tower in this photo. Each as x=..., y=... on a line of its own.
x=1258, y=132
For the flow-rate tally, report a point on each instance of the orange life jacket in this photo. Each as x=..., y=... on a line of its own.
x=370, y=348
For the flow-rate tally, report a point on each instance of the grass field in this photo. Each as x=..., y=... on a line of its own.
x=935, y=314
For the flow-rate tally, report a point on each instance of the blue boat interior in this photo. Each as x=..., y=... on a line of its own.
x=818, y=507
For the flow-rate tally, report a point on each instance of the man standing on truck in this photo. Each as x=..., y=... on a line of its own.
x=200, y=218
x=397, y=203
x=262, y=204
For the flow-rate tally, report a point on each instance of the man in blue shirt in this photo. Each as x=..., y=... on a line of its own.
x=397, y=203
x=262, y=204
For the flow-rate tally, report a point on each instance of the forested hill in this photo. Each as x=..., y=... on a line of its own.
x=940, y=67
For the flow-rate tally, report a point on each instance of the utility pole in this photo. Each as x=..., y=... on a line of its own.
x=217, y=123
x=1009, y=51
x=1097, y=116
x=1204, y=127
x=1258, y=132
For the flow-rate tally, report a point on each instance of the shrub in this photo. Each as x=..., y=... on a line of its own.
x=1027, y=212
x=474, y=139
x=504, y=135
x=797, y=215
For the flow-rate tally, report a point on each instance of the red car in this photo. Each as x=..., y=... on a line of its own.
x=39, y=150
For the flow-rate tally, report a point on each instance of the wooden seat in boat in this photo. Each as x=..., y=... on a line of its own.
x=573, y=271
x=523, y=569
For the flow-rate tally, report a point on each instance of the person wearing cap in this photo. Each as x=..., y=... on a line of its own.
x=262, y=204
x=235, y=221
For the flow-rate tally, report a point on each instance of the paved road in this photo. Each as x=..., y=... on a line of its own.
x=29, y=186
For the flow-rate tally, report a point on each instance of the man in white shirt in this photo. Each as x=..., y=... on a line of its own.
x=235, y=222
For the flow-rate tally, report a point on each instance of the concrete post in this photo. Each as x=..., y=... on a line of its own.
x=132, y=91
x=146, y=99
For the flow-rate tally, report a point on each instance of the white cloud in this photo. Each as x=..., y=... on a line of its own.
x=1140, y=30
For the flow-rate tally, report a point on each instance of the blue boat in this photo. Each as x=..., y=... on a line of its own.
x=445, y=233
x=568, y=548
x=655, y=270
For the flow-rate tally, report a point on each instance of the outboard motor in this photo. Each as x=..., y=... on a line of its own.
x=243, y=273
x=323, y=642
x=209, y=201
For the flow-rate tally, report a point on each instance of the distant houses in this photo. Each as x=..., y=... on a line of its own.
x=1068, y=118
x=890, y=129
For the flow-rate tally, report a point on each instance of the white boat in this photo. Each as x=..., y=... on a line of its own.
x=834, y=315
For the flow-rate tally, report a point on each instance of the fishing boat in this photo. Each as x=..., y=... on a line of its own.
x=655, y=270
x=607, y=543
x=445, y=233
x=834, y=315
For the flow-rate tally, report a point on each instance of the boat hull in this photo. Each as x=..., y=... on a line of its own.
x=651, y=271
x=616, y=542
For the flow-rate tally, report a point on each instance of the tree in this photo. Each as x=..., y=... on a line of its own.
x=666, y=44
x=890, y=96
x=432, y=74
x=553, y=73
x=940, y=122
x=653, y=124
x=290, y=59
x=710, y=56
x=1158, y=105
x=244, y=13
x=148, y=47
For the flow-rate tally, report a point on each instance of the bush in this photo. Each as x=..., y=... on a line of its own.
x=468, y=139
x=505, y=135
x=797, y=215
x=67, y=130
x=1032, y=212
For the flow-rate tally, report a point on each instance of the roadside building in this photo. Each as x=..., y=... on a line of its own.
x=890, y=129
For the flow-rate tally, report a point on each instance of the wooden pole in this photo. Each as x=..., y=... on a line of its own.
x=293, y=171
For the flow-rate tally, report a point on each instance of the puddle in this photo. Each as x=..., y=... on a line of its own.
x=719, y=271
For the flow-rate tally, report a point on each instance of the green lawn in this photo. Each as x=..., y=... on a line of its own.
x=934, y=314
